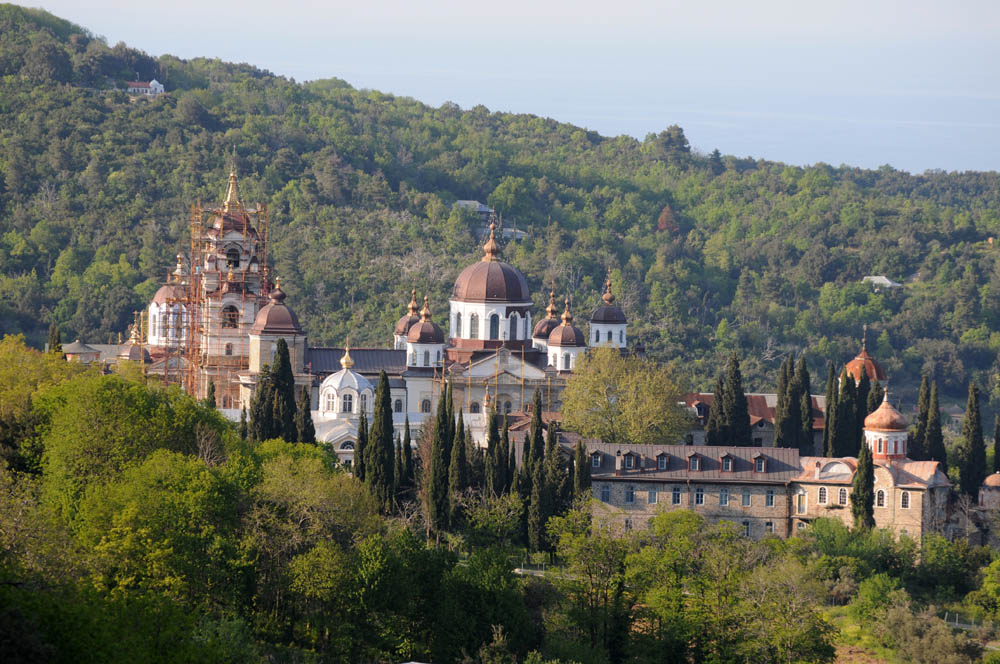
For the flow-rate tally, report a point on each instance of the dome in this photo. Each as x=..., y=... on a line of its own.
x=276, y=317
x=491, y=280
x=411, y=318
x=864, y=361
x=567, y=334
x=167, y=293
x=426, y=331
x=346, y=378
x=608, y=311
x=886, y=418
x=992, y=481
x=545, y=326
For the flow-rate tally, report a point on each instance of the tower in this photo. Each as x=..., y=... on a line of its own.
x=608, y=322
x=885, y=432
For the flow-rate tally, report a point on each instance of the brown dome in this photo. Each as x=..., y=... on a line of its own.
x=410, y=319
x=167, y=293
x=864, y=361
x=992, y=481
x=276, y=317
x=426, y=331
x=608, y=311
x=491, y=280
x=886, y=418
x=545, y=326
x=567, y=334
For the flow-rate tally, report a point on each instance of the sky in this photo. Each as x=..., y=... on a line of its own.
x=914, y=84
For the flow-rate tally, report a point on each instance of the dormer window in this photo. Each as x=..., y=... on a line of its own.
x=727, y=464
x=662, y=462
x=629, y=461
x=595, y=460
x=694, y=463
x=760, y=464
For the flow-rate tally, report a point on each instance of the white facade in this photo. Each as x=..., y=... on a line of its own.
x=498, y=321
x=608, y=334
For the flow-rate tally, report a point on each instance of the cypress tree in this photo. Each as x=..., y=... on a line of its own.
x=243, y=424
x=863, y=494
x=845, y=424
x=361, y=447
x=439, y=503
x=537, y=510
x=209, y=400
x=804, y=381
x=444, y=429
x=714, y=427
x=476, y=460
x=918, y=451
x=555, y=471
x=935, y=437
x=972, y=449
x=261, y=413
x=458, y=469
x=996, y=443
x=863, y=387
x=305, y=431
x=581, y=472
x=496, y=466
x=511, y=479
x=874, y=398
x=284, y=389
x=781, y=407
x=399, y=468
x=408, y=455
x=736, y=414
x=534, y=444
x=450, y=416
x=829, y=448
x=379, y=461
x=55, y=339
x=792, y=422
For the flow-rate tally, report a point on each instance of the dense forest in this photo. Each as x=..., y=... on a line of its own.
x=709, y=253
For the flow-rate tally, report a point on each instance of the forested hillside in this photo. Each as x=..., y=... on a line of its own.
x=708, y=253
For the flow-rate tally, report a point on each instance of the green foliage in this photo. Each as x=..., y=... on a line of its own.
x=283, y=389
x=935, y=436
x=863, y=491
x=875, y=595
x=972, y=447
x=305, y=431
x=380, y=448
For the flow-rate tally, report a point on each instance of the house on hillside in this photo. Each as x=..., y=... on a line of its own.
x=148, y=88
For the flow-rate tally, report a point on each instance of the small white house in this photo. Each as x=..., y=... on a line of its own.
x=148, y=88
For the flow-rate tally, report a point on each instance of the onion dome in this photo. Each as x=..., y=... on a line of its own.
x=426, y=331
x=410, y=319
x=992, y=481
x=168, y=293
x=567, y=334
x=345, y=360
x=491, y=280
x=885, y=417
x=276, y=317
x=865, y=361
x=608, y=311
x=545, y=326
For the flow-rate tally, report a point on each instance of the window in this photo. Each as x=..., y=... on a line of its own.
x=494, y=326
x=425, y=406
x=506, y=407
x=609, y=335
x=629, y=495
x=880, y=446
x=880, y=498
x=727, y=464
x=904, y=500
x=474, y=326
x=606, y=494
x=629, y=461
x=693, y=463
x=364, y=402
x=427, y=358
x=675, y=496
x=621, y=337
x=565, y=361
x=229, y=349
x=661, y=462
x=758, y=465
x=724, y=497
x=745, y=498
x=801, y=502
x=597, y=336
x=769, y=527
x=628, y=524
x=524, y=329
x=233, y=258
x=347, y=404
x=699, y=496
x=822, y=495
x=397, y=407
x=769, y=498
x=513, y=326
x=230, y=316
x=801, y=525
x=458, y=325
x=595, y=460
x=413, y=359
x=474, y=407
x=746, y=529
x=329, y=401
x=843, y=497
x=652, y=497
x=437, y=357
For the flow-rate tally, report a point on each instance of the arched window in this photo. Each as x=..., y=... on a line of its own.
x=843, y=496
x=427, y=358
x=609, y=335
x=229, y=349
x=233, y=258
x=904, y=500
x=566, y=361
x=880, y=446
x=397, y=407
x=822, y=495
x=329, y=402
x=506, y=407
x=474, y=326
x=437, y=358
x=347, y=404
x=347, y=445
x=597, y=336
x=413, y=358
x=230, y=316
x=494, y=326
x=364, y=402
x=474, y=408
x=425, y=406
x=880, y=498
x=524, y=328
x=513, y=327
x=621, y=336
x=458, y=325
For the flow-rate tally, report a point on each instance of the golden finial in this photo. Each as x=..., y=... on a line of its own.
x=608, y=296
x=230, y=277
x=413, y=302
x=551, y=310
x=567, y=317
x=345, y=359
x=425, y=313
x=277, y=283
x=232, y=202
x=491, y=247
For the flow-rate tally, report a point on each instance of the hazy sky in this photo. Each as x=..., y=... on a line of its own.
x=914, y=84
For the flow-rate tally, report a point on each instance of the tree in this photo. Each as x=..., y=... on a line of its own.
x=619, y=399
x=829, y=417
x=918, y=451
x=458, y=470
x=493, y=482
x=785, y=430
x=284, y=392
x=534, y=444
x=862, y=389
x=437, y=498
x=305, y=431
x=55, y=340
x=361, y=447
x=874, y=398
x=996, y=443
x=209, y=400
x=244, y=430
x=409, y=479
x=935, y=437
x=379, y=460
x=803, y=384
x=538, y=510
x=581, y=472
x=714, y=429
x=846, y=441
x=735, y=412
x=863, y=491
x=262, y=407
x=972, y=447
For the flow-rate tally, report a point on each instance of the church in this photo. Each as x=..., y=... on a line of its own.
x=218, y=318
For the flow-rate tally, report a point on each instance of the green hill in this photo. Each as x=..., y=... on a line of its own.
x=708, y=253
